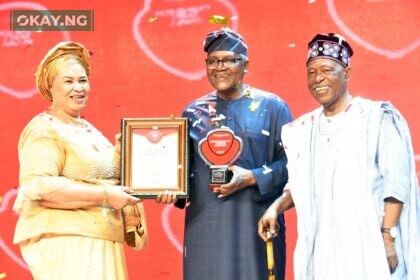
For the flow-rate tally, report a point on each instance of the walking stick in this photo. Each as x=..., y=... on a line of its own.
x=270, y=257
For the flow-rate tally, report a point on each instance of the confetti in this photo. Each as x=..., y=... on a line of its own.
x=311, y=1
x=234, y=18
x=292, y=45
x=3, y=275
x=152, y=19
x=212, y=109
x=216, y=19
x=265, y=132
x=1, y=198
x=266, y=169
x=254, y=105
x=196, y=122
x=219, y=118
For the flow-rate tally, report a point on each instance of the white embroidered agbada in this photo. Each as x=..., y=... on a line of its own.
x=339, y=193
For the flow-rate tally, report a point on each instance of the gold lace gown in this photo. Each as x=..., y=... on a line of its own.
x=58, y=243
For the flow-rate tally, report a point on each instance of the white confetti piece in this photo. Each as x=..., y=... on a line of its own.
x=219, y=118
x=267, y=169
x=196, y=122
x=265, y=132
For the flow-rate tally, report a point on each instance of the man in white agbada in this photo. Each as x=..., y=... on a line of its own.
x=351, y=179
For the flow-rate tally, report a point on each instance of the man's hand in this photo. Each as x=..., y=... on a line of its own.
x=241, y=178
x=268, y=223
x=391, y=253
x=166, y=197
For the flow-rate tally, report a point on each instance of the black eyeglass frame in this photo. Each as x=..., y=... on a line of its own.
x=234, y=60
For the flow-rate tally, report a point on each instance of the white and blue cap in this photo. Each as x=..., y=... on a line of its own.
x=331, y=46
x=225, y=40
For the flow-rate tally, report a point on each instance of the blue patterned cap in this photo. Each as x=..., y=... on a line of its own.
x=330, y=46
x=225, y=40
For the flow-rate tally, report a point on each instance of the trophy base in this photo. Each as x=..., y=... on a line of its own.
x=219, y=175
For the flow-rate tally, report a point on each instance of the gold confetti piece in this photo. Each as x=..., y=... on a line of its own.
x=1, y=198
x=215, y=19
x=292, y=45
x=3, y=275
x=254, y=105
x=152, y=19
x=311, y=1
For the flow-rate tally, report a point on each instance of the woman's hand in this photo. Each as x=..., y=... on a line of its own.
x=117, y=145
x=119, y=196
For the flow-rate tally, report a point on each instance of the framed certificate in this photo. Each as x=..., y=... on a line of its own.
x=154, y=156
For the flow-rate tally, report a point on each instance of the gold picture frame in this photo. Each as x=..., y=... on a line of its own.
x=154, y=156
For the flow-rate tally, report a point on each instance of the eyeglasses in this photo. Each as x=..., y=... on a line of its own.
x=212, y=63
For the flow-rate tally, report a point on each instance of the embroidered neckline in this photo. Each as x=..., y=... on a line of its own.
x=66, y=118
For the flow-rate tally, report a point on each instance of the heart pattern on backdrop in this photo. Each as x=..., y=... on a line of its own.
x=356, y=31
x=6, y=208
x=20, y=41
x=182, y=20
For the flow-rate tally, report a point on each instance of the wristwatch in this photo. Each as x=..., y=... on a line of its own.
x=391, y=231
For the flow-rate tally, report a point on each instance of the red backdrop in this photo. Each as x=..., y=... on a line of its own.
x=146, y=68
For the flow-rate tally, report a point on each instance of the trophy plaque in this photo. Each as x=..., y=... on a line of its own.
x=220, y=149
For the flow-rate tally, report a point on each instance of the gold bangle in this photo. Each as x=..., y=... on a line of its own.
x=104, y=205
x=105, y=199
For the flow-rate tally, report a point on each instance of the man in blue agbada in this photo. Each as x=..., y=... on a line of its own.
x=220, y=239
x=352, y=179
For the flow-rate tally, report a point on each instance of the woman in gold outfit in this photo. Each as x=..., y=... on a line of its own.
x=70, y=225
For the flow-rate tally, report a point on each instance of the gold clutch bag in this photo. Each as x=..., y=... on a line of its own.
x=135, y=227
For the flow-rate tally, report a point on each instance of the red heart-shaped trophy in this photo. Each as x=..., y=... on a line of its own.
x=220, y=147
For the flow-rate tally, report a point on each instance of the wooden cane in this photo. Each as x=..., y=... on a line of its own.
x=270, y=257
